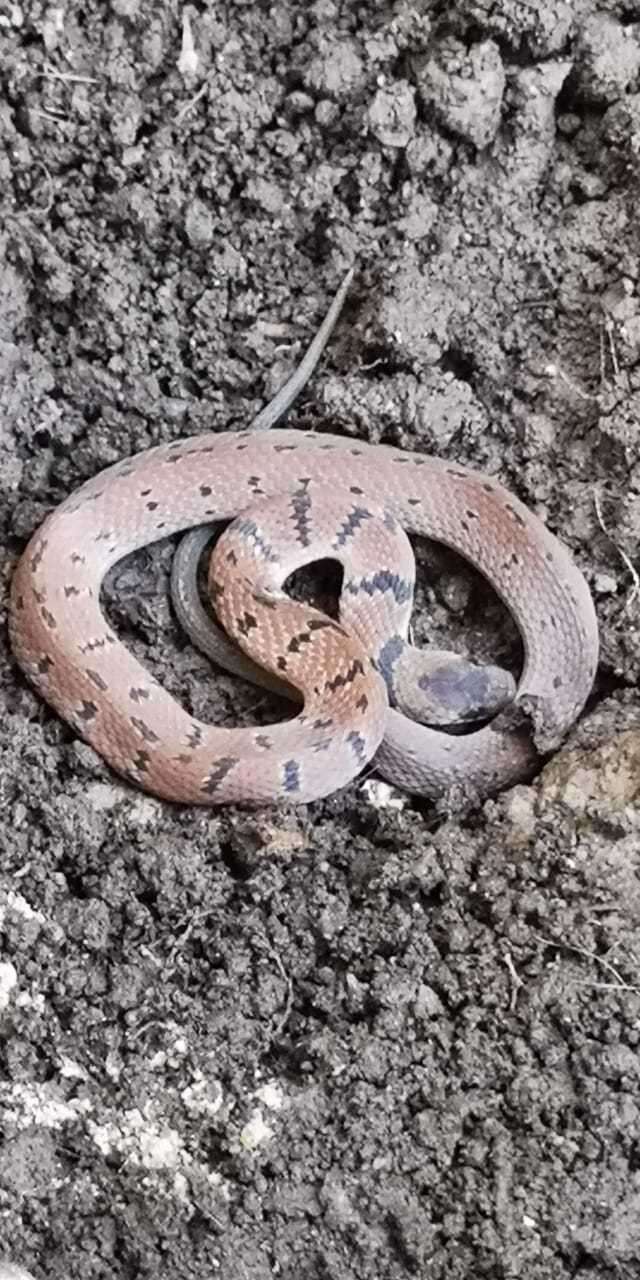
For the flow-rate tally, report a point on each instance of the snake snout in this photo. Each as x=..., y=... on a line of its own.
x=458, y=692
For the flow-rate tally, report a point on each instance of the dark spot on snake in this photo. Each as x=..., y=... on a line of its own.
x=516, y=515
x=138, y=694
x=175, y=457
x=419, y=462
x=220, y=769
x=97, y=679
x=356, y=453
x=194, y=737
x=71, y=591
x=488, y=488
x=387, y=659
x=464, y=525
x=182, y=759
x=75, y=558
x=362, y=703
x=323, y=724
x=264, y=601
x=354, y=489
x=246, y=623
x=44, y=664
x=103, y=536
x=557, y=682
x=472, y=515
x=380, y=583
x=147, y=733
x=152, y=506
x=325, y=624
x=141, y=761
x=261, y=740
x=401, y=461
x=553, y=621
x=232, y=557
x=37, y=556
x=352, y=523
x=548, y=555
x=296, y=642
x=284, y=448
x=357, y=744
x=205, y=490
x=291, y=776
x=144, y=493
x=49, y=619
x=19, y=603
x=326, y=448
x=413, y=502
x=281, y=663
x=339, y=681
x=87, y=711
x=454, y=471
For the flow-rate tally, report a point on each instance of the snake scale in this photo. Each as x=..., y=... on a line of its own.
x=294, y=497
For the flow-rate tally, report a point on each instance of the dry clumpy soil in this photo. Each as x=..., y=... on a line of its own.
x=357, y=1041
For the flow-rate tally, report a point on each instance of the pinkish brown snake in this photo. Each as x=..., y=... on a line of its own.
x=295, y=497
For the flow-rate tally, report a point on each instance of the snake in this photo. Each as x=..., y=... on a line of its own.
x=429, y=722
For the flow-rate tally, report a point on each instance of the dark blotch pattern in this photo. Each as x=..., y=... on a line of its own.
x=97, y=680
x=358, y=746
x=144, y=730
x=516, y=515
x=219, y=772
x=339, y=681
x=301, y=503
x=246, y=623
x=87, y=711
x=354, y=521
x=291, y=776
x=381, y=582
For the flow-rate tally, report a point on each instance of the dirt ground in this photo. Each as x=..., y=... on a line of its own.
x=365, y=1039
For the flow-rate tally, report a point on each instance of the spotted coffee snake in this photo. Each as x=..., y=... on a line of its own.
x=296, y=497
